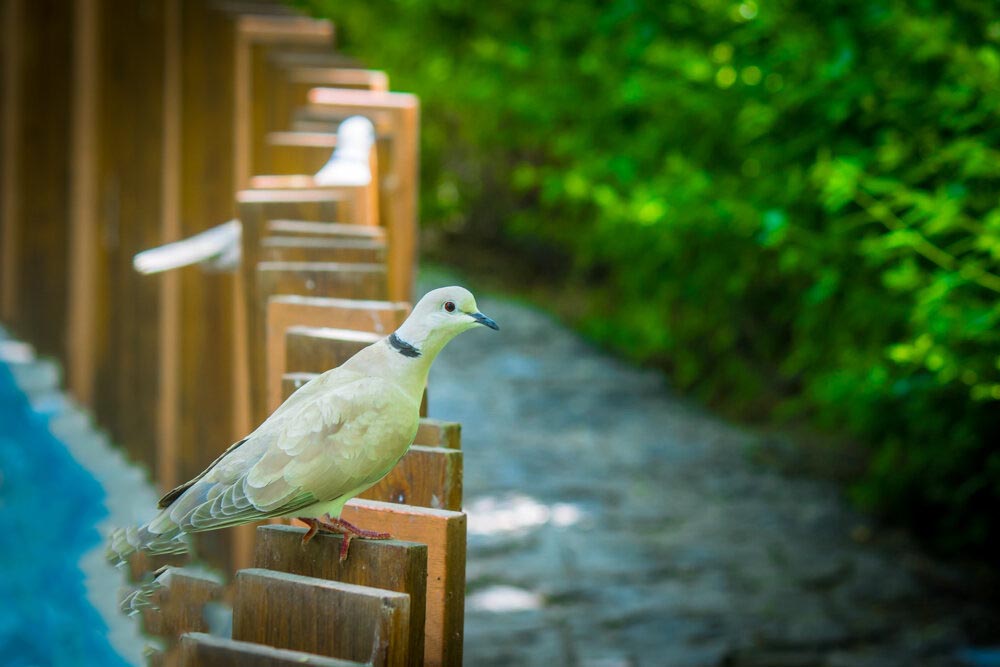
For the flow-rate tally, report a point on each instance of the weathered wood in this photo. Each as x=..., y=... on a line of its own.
x=444, y=534
x=437, y=433
x=381, y=317
x=179, y=606
x=201, y=650
x=388, y=564
x=320, y=616
x=424, y=477
x=398, y=164
x=360, y=205
x=321, y=348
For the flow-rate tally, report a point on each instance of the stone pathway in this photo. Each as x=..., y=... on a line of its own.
x=612, y=523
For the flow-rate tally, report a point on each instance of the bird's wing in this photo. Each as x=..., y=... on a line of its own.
x=317, y=450
x=220, y=243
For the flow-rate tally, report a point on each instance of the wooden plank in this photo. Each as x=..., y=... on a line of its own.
x=256, y=209
x=398, y=188
x=256, y=36
x=201, y=650
x=444, y=534
x=359, y=202
x=179, y=606
x=319, y=616
x=212, y=406
x=388, y=564
x=284, y=311
x=299, y=249
x=437, y=433
x=424, y=477
x=130, y=208
x=346, y=281
x=11, y=134
x=321, y=348
x=35, y=236
x=83, y=223
x=331, y=229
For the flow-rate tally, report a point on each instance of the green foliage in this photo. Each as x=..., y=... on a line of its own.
x=793, y=199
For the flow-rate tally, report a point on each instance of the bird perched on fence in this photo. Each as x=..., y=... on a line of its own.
x=219, y=248
x=335, y=437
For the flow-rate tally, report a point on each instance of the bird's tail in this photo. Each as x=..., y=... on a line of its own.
x=126, y=541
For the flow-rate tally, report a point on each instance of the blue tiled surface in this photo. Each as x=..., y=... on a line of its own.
x=49, y=507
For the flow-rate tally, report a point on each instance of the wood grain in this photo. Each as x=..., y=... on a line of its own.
x=201, y=650
x=320, y=616
x=424, y=477
x=388, y=564
x=444, y=534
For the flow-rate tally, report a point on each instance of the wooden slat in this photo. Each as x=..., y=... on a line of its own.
x=321, y=348
x=398, y=188
x=444, y=534
x=424, y=477
x=437, y=433
x=130, y=207
x=212, y=408
x=201, y=650
x=83, y=223
x=348, y=281
x=323, y=229
x=284, y=311
x=11, y=134
x=34, y=237
x=319, y=616
x=179, y=606
x=256, y=37
x=299, y=249
x=388, y=564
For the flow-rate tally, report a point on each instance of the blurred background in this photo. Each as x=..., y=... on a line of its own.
x=790, y=208
x=744, y=409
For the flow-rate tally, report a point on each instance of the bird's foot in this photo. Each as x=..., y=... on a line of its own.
x=345, y=528
x=313, y=529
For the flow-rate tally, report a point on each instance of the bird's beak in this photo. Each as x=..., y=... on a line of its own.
x=485, y=321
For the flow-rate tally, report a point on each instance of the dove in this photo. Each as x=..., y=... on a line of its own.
x=219, y=248
x=335, y=437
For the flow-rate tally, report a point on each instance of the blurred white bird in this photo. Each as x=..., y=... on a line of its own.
x=349, y=164
x=331, y=440
x=219, y=248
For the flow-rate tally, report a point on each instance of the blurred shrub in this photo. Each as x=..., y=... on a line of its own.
x=792, y=201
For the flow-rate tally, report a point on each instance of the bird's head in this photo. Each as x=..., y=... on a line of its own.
x=438, y=317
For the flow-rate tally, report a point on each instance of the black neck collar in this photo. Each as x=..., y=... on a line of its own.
x=403, y=347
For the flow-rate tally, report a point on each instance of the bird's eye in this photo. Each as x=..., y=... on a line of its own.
x=449, y=306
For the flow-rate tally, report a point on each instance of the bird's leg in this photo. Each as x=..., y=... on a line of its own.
x=313, y=529
x=349, y=531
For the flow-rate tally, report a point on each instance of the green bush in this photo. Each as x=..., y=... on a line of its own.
x=793, y=206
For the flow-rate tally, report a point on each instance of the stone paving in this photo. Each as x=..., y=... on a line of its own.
x=612, y=523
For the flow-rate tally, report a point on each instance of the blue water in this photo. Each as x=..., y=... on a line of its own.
x=49, y=507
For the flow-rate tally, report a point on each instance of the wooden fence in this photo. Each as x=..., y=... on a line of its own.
x=128, y=124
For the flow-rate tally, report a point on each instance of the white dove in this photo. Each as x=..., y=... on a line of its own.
x=219, y=248
x=332, y=439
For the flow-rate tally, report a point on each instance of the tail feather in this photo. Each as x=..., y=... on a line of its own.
x=126, y=541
